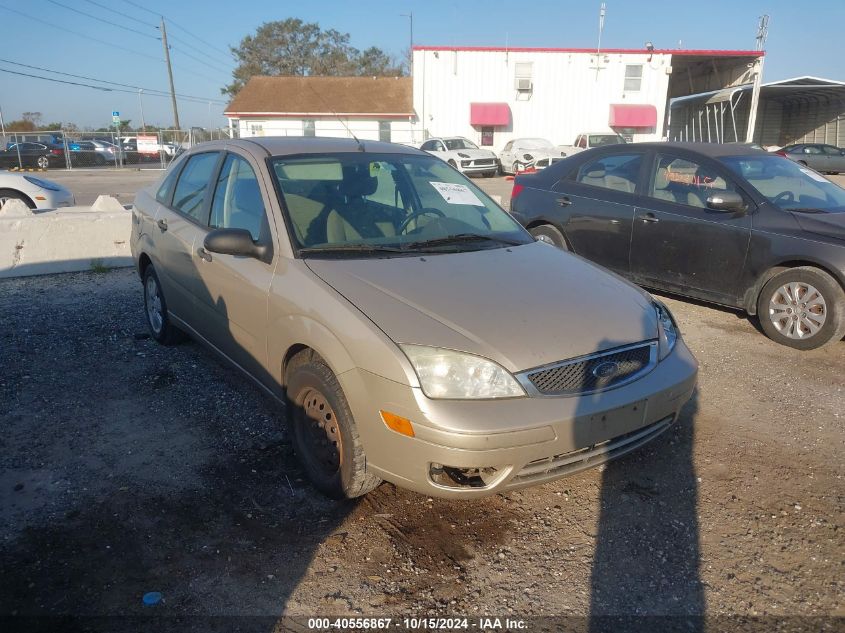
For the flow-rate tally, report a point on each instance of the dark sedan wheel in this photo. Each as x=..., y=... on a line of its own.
x=550, y=235
x=43, y=162
x=802, y=308
x=324, y=432
x=155, y=309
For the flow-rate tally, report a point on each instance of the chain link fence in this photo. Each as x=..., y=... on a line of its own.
x=72, y=149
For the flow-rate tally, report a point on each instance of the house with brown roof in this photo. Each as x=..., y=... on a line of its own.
x=374, y=108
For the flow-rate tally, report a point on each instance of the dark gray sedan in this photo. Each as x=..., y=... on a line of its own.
x=724, y=223
x=827, y=159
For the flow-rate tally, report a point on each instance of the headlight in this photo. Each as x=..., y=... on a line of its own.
x=667, y=330
x=42, y=183
x=527, y=157
x=444, y=373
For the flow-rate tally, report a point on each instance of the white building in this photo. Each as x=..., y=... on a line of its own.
x=492, y=95
x=371, y=108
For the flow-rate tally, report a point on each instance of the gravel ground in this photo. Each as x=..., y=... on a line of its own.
x=126, y=467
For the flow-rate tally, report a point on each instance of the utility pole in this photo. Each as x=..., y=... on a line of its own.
x=141, y=104
x=169, y=74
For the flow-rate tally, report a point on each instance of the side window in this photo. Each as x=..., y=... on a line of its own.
x=166, y=189
x=309, y=127
x=633, y=77
x=384, y=131
x=487, y=136
x=508, y=146
x=440, y=147
x=685, y=182
x=582, y=142
x=427, y=146
x=830, y=150
x=617, y=172
x=189, y=195
x=237, y=198
x=812, y=149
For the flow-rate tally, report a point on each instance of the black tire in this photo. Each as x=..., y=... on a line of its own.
x=42, y=162
x=324, y=433
x=164, y=333
x=833, y=309
x=11, y=194
x=549, y=234
x=489, y=174
x=515, y=167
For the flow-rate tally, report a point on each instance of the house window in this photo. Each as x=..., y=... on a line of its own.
x=523, y=74
x=633, y=77
x=384, y=131
x=256, y=129
x=308, y=128
x=487, y=135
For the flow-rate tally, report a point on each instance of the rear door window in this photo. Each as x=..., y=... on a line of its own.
x=237, y=198
x=191, y=189
x=617, y=172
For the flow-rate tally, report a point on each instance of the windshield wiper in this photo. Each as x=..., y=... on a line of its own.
x=460, y=238
x=351, y=248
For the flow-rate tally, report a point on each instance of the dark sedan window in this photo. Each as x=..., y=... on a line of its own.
x=617, y=172
x=686, y=182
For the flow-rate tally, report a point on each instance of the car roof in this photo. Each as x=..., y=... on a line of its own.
x=713, y=150
x=287, y=145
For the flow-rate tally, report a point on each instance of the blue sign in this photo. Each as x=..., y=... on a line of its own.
x=115, y=113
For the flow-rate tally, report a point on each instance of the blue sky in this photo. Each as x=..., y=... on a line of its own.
x=804, y=39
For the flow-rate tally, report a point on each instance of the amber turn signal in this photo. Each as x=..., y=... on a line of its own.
x=397, y=423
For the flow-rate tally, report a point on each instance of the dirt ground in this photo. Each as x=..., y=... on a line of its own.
x=127, y=468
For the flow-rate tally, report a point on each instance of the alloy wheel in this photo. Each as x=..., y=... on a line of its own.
x=797, y=310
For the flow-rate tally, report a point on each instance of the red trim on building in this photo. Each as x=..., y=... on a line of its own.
x=489, y=114
x=314, y=115
x=632, y=115
x=624, y=51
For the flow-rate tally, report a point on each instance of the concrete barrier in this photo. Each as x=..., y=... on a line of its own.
x=34, y=242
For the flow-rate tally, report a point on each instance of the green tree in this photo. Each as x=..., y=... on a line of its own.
x=294, y=47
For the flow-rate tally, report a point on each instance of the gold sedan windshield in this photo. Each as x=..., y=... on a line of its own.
x=404, y=203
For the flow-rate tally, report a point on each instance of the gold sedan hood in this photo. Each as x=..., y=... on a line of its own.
x=521, y=306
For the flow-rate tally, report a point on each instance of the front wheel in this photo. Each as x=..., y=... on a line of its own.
x=548, y=234
x=43, y=162
x=803, y=308
x=324, y=432
x=515, y=167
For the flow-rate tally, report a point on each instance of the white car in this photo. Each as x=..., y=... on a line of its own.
x=36, y=193
x=529, y=153
x=463, y=155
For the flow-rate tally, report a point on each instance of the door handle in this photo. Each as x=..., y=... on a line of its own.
x=649, y=217
x=204, y=254
x=162, y=224
x=563, y=202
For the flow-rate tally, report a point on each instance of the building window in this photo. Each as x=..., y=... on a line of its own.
x=633, y=77
x=256, y=129
x=308, y=128
x=487, y=135
x=384, y=131
x=523, y=76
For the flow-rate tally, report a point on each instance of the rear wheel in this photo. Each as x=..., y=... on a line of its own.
x=550, y=235
x=43, y=162
x=155, y=309
x=803, y=308
x=324, y=431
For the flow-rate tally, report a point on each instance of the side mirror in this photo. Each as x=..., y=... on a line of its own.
x=236, y=242
x=728, y=201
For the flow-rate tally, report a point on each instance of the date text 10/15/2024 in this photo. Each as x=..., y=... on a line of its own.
x=413, y=623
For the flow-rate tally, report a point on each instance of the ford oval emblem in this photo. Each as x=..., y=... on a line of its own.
x=607, y=369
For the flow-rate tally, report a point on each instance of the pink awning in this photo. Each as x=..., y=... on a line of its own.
x=632, y=115
x=489, y=114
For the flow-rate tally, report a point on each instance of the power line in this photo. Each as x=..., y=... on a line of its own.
x=120, y=13
x=113, y=83
x=83, y=35
x=138, y=6
x=192, y=47
x=94, y=17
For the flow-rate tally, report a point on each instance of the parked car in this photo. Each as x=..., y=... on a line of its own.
x=413, y=328
x=463, y=155
x=722, y=223
x=36, y=193
x=92, y=152
x=47, y=138
x=827, y=159
x=32, y=154
x=589, y=140
x=528, y=153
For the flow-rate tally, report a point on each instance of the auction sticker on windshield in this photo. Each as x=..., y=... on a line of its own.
x=454, y=193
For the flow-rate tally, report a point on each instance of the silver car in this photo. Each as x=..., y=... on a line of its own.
x=415, y=332
x=827, y=159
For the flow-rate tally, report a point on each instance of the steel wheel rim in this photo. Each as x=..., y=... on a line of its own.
x=153, y=301
x=321, y=434
x=798, y=310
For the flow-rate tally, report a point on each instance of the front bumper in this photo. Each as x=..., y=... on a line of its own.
x=474, y=168
x=528, y=440
x=46, y=199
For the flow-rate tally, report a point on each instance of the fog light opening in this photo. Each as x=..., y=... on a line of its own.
x=455, y=477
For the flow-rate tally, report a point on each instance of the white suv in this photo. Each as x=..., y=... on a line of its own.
x=463, y=155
